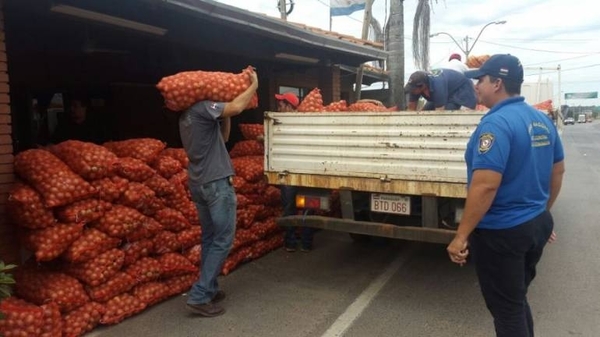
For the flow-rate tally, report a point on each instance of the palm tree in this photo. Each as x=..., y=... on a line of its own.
x=395, y=45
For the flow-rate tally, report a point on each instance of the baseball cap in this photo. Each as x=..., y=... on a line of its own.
x=289, y=97
x=504, y=66
x=416, y=79
x=455, y=56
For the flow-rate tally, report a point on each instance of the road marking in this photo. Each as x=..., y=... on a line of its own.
x=353, y=312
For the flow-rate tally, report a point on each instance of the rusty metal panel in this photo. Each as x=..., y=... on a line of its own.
x=394, y=146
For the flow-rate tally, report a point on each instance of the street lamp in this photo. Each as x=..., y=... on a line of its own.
x=468, y=50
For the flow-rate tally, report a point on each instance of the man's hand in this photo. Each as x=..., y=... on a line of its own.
x=457, y=250
x=553, y=237
x=253, y=77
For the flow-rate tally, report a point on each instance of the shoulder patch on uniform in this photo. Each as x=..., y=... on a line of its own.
x=486, y=141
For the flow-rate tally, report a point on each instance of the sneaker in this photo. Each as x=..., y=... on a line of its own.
x=219, y=296
x=305, y=249
x=206, y=310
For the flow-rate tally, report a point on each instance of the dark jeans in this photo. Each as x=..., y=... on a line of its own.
x=216, y=203
x=505, y=262
x=288, y=199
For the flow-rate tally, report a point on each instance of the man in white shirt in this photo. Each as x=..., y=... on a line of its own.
x=455, y=63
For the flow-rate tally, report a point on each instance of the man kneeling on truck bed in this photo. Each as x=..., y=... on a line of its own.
x=445, y=90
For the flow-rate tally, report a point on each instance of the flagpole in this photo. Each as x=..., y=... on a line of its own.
x=365, y=36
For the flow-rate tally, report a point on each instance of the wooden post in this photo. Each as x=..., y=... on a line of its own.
x=365, y=36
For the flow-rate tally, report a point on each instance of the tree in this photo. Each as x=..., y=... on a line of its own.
x=395, y=47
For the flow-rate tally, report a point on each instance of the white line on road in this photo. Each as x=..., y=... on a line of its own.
x=353, y=312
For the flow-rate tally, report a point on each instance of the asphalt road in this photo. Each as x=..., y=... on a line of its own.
x=396, y=288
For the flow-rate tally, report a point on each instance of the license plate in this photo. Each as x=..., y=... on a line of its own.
x=390, y=203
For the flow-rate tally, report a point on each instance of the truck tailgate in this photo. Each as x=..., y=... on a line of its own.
x=403, y=147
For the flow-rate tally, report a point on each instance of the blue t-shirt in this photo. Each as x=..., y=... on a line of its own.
x=522, y=144
x=450, y=86
x=203, y=142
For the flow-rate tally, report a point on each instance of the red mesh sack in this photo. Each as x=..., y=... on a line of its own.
x=119, y=221
x=151, y=293
x=90, y=244
x=83, y=319
x=52, y=326
x=20, y=318
x=167, y=166
x=179, y=284
x=121, y=282
x=178, y=154
x=313, y=102
x=99, y=269
x=234, y=259
x=242, y=201
x=181, y=202
x=265, y=228
x=247, y=148
x=147, y=230
x=243, y=237
x=194, y=254
x=184, y=89
x=189, y=237
x=144, y=270
x=165, y=242
x=133, y=169
x=172, y=220
x=110, y=189
x=136, y=250
x=252, y=131
x=26, y=208
x=174, y=264
x=120, y=307
x=366, y=106
x=137, y=196
x=160, y=186
x=250, y=168
x=336, y=106
x=180, y=179
x=272, y=196
x=245, y=217
x=40, y=287
x=245, y=187
x=90, y=161
x=144, y=149
x=262, y=247
x=55, y=181
x=83, y=211
x=48, y=243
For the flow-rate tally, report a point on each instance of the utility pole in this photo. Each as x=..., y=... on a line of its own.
x=365, y=36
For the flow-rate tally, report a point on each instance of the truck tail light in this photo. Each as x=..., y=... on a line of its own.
x=312, y=202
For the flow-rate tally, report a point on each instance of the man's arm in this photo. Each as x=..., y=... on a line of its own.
x=226, y=128
x=240, y=103
x=558, y=171
x=480, y=196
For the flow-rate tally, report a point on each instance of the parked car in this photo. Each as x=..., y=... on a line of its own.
x=570, y=120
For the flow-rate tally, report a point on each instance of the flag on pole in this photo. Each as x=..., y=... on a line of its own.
x=345, y=7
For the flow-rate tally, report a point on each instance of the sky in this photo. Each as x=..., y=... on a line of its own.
x=541, y=33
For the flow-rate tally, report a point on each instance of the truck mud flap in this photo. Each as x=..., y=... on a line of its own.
x=420, y=234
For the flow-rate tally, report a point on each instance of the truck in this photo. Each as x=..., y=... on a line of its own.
x=397, y=174
x=581, y=118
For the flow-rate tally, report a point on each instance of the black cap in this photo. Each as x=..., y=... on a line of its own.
x=417, y=79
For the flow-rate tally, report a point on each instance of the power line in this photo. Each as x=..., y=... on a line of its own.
x=540, y=50
x=565, y=59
